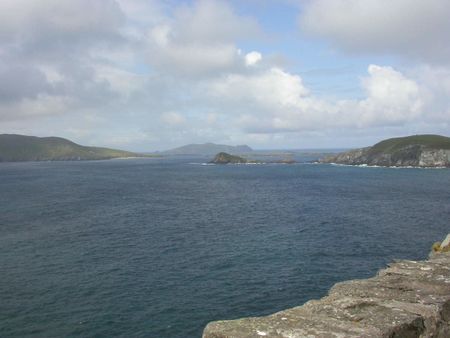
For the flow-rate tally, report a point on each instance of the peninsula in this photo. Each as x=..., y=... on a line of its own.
x=19, y=148
x=411, y=151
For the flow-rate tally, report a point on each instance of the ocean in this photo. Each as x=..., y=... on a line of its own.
x=160, y=247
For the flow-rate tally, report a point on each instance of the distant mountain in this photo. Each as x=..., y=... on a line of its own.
x=16, y=148
x=208, y=149
x=416, y=151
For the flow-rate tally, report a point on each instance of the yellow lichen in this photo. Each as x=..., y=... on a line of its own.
x=446, y=249
x=436, y=247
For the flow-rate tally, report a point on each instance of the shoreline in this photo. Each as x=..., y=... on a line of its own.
x=380, y=166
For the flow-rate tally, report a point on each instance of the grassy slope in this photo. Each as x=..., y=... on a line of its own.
x=391, y=145
x=31, y=148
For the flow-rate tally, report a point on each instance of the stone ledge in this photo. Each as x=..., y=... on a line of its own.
x=407, y=299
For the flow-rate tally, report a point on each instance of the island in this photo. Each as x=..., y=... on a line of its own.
x=208, y=149
x=225, y=158
x=426, y=151
x=407, y=299
x=19, y=148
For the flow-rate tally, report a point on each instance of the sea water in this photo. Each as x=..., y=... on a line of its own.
x=160, y=247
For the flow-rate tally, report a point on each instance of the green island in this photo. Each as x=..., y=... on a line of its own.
x=19, y=148
x=409, y=151
x=225, y=158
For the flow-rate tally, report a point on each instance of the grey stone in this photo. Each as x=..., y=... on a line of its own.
x=446, y=242
x=407, y=299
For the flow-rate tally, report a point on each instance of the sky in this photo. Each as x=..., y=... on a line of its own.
x=148, y=75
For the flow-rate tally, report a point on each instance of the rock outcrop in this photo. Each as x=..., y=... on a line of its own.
x=225, y=158
x=407, y=299
x=411, y=151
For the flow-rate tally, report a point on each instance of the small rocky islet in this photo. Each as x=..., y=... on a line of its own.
x=226, y=158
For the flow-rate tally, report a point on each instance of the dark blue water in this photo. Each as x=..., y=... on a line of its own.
x=158, y=248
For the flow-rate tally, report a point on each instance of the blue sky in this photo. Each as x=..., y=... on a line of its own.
x=150, y=75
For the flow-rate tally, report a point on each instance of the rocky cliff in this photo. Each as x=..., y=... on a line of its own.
x=416, y=151
x=407, y=299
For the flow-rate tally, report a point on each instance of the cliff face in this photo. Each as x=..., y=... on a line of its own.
x=416, y=151
x=429, y=158
x=407, y=299
x=410, y=156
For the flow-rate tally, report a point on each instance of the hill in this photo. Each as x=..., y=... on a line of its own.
x=16, y=148
x=208, y=149
x=416, y=151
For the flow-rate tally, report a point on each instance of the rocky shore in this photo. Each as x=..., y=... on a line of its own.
x=407, y=299
x=411, y=156
x=412, y=151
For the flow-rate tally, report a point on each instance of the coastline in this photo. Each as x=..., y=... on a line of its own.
x=380, y=166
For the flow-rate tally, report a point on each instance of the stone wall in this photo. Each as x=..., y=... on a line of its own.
x=407, y=299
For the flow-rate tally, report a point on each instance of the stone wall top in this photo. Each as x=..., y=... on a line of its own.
x=407, y=299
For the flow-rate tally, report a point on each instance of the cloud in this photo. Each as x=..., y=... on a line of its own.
x=275, y=101
x=408, y=28
x=151, y=74
x=40, y=106
x=200, y=39
x=273, y=88
x=252, y=58
x=46, y=47
x=43, y=26
x=391, y=97
x=12, y=84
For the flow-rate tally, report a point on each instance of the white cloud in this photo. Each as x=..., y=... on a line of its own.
x=49, y=21
x=252, y=58
x=199, y=39
x=272, y=88
x=274, y=101
x=143, y=12
x=209, y=21
x=391, y=97
x=122, y=82
x=409, y=28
